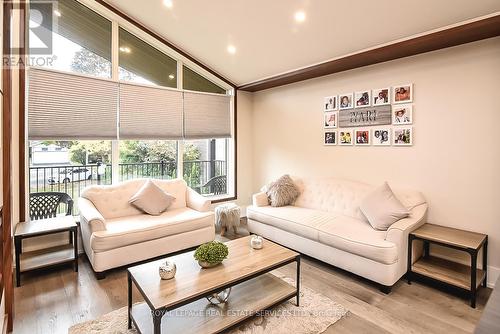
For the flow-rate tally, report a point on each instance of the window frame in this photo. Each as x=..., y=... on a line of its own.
x=120, y=20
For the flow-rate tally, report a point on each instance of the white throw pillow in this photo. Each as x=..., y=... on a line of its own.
x=382, y=208
x=151, y=199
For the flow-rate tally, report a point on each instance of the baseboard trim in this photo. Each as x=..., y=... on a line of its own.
x=493, y=274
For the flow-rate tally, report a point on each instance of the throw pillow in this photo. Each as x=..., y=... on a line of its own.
x=151, y=199
x=282, y=192
x=382, y=208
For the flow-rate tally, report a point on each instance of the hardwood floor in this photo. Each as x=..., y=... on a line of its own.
x=52, y=301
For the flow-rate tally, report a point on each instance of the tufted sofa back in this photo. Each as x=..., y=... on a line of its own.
x=343, y=196
x=112, y=200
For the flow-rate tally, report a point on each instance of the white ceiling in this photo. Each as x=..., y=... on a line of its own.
x=269, y=41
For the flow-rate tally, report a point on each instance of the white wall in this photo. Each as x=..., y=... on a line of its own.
x=455, y=159
x=244, y=148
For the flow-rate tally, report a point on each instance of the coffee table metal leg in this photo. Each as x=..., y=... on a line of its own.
x=298, y=280
x=129, y=288
x=157, y=322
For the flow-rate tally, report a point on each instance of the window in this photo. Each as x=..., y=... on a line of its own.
x=69, y=167
x=141, y=63
x=72, y=138
x=147, y=158
x=193, y=81
x=81, y=39
x=205, y=166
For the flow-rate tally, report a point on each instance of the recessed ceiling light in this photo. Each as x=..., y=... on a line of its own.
x=168, y=3
x=231, y=49
x=57, y=13
x=125, y=49
x=300, y=16
x=171, y=77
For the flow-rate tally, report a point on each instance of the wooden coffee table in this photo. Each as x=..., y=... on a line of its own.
x=179, y=305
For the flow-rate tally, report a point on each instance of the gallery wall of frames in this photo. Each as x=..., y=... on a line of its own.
x=378, y=117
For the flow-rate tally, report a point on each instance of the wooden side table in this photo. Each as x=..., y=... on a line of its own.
x=467, y=278
x=43, y=258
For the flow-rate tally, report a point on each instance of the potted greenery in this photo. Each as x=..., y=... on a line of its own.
x=211, y=254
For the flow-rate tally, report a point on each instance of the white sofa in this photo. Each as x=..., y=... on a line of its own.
x=115, y=233
x=326, y=223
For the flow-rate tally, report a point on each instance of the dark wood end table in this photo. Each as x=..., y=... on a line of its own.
x=464, y=277
x=43, y=258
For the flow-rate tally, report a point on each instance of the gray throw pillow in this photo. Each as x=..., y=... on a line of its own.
x=151, y=199
x=282, y=192
x=382, y=208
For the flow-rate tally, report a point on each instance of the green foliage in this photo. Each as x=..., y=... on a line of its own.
x=211, y=252
x=87, y=62
x=93, y=151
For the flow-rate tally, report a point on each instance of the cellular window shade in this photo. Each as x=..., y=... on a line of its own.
x=69, y=106
x=150, y=112
x=206, y=116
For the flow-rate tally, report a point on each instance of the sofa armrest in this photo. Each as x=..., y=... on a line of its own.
x=90, y=215
x=260, y=199
x=197, y=202
x=398, y=232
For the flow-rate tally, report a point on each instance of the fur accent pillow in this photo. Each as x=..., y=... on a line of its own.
x=382, y=208
x=282, y=192
x=151, y=199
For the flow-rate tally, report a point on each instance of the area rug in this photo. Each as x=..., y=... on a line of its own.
x=315, y=314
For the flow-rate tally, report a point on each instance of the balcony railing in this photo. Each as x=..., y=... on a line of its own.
x=73, y=179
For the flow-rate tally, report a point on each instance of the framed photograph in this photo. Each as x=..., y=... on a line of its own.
x=381, y=136
x=330, y=138
x=362, y=137
x=402, y=93
x=330, y=120
x=402, y=136
x=402, y=114
x=362, y=99
x=330, y=103
x=381, y=96
x=345, y=101
x=345, y=137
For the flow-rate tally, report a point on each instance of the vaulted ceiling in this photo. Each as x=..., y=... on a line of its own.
x=269, y=40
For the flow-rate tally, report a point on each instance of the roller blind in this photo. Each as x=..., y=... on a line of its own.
x=150, y=112
x=67, y=106
x=206, y=115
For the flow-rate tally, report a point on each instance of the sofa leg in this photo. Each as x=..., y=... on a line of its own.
x=385, y=289
x=100, y=275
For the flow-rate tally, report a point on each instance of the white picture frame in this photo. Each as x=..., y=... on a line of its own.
x=349, y=104
x=362, y=99
x=397, y=97
x=330, y=103
x=381, y=136
x=332, y=135
x=342, y=134
x=362, y=137
x=402, y=114
x=402, y=130
x=383, y=100
x=330, y=120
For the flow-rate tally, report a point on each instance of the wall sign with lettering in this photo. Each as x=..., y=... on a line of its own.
x=367, y=116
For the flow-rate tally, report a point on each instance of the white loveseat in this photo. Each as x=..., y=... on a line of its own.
x=326, y=223
x=115, y=233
